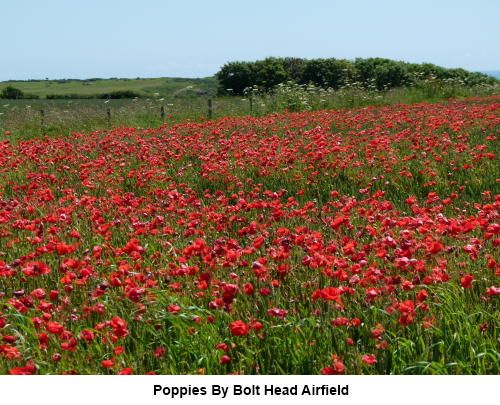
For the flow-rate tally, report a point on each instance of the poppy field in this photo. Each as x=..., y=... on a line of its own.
x=361, y=241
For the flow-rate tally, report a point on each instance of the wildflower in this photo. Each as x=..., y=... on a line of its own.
x=238, y=328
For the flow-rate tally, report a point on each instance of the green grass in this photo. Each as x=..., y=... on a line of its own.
x=165, y=86
x=63, y=117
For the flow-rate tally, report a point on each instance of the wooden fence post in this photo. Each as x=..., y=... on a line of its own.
x=162, y=112
x=108, y=112
x=42, y=121
x=210, y=109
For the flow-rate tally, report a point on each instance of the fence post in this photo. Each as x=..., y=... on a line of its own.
x=209, y=108
x=162, y=112
x=108, y=112
x=42, y=121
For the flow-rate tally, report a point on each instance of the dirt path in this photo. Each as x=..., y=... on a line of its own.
x=184, y=89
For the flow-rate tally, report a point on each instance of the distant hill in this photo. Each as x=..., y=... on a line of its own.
x=163, y=86
x=494, y=73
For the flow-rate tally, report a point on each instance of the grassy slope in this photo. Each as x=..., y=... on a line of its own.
x=163, y=85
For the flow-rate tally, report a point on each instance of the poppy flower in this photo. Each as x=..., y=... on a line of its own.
x=329, y=293
x=87, y=335
x=158, y=352
x=422, y=295
x=119, y=327
x=336, y=369
x=238, y=328
x=28, y=369
x=256, y=326
x=53, y=295
x=39, y=294
x=221, y=346
x=71, y=345
x=369, y=359
x=175, y=309
x=248, y=288
x=280, y=313
x=55, y=328
x=493, y=291
x=340, y=322
x=33, y=269
x=466, y=281
x=108, y=363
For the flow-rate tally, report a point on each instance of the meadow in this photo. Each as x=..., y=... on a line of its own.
x=295, y=240
x=145, y=87
x=28, y=118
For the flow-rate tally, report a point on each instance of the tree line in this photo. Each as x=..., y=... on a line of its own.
x=380, y=73
x=13, y=93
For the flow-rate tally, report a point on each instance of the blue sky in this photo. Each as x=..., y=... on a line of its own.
x=193, y=38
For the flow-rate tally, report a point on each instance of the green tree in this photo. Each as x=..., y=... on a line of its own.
x=235, y=76
x=268, y=73
x=12, y=92
x=384, y=72
x=294, y=67
x=326, y=73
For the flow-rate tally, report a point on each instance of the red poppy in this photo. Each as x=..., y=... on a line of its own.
x=329, y=293
x=493, y=291
x=108, y=363
x=39, y=294
x=466, y=281
x=238, y=328
x=422, y=296
x=369, y=359
x=221, y=346
x=28, y=369
x=87, y=335
x=158, y=352
x=280, y=313
x=33, y=269
x=248, y=289
x=53, y=295
x=175, y=309
x=119, y=327
x=256, y=326
x=118, y=350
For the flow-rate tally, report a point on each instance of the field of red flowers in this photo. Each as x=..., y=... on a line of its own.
x=360, y=241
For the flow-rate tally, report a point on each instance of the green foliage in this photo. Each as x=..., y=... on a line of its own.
x=384, y=73
x=121, y=94
x=327, y=72
x=234, y=77
x=95, y=87
x=71, y=96
x=269, y=73
x=294, y=67
x=378, y=73
x=114, y=95
x=11, y=92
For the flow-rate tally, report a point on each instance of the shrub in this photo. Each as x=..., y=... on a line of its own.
x=11, y=92
x=121, y=94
